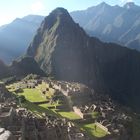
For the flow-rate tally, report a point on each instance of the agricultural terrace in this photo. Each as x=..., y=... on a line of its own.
x=57, y=107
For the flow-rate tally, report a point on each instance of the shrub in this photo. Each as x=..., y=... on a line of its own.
x=21, y=99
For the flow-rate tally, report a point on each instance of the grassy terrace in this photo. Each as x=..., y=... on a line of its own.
x=34, y=95
x=92, y=130
x=38, y=110
x=69, y=115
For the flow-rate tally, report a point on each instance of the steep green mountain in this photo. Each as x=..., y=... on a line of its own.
x=16, y=36
x=21, y=67
x=112, y=23
x=3, y=70
x=25, y=66
x=65, y=51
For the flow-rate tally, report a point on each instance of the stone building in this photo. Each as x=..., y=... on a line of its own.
x=19, y=124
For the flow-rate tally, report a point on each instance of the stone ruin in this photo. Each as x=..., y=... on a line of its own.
x=4, y=93
x=83, y=115
x=85, y=101
x=111, y=117
x=20, y=124
x=32, y=83
x=79, y=93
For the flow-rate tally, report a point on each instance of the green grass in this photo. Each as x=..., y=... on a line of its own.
x=90, y=129
x=95, y=115
x=38, y=110
x=69, y=115
x=32, y=95
x=46, y=105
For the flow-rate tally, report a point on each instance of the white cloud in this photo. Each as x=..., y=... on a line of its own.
x=37, y=6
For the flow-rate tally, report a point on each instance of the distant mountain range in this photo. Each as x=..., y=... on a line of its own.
x=112, y=23
x=108, y=23
x=63, y=50
x=16, y=36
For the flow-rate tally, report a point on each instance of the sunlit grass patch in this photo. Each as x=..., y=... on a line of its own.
x=69, y=115
x=93, y=130
x=33, y=95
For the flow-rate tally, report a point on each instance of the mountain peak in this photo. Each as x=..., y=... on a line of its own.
x=56, y=16
x=131, y=5
x=103, y=4
x=56, y=26
x=60, y=10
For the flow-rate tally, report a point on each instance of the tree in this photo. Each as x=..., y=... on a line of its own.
x=21, y=99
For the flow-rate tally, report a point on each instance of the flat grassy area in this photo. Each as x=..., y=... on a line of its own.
x=90, y=129
x=32, y=95
x=43, y=86
x=69, y=115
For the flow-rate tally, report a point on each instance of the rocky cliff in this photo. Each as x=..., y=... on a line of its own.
x=112, y=23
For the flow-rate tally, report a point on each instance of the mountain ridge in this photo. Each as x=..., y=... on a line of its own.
x=63, y=50
x=21, y=67
x=15, y=37
x=115, y=27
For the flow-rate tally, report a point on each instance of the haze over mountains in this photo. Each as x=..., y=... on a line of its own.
x=96, y=21
x=16, y=36
x=63, y=50
x=112, y=23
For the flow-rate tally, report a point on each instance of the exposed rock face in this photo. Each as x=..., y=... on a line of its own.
x=121, y=26
x=60, y=45
x=6, y=135
x=63, y=49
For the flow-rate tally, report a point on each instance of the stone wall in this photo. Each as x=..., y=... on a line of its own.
x=81, y=114
x=78, y=112
x=102, y=127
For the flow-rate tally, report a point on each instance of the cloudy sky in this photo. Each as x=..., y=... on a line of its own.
x=11, y=9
